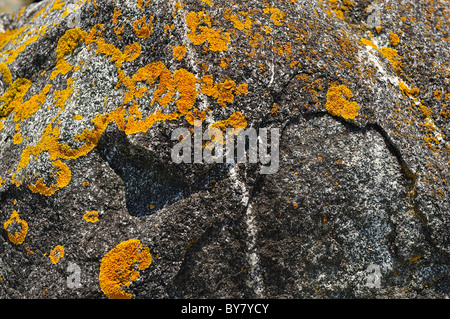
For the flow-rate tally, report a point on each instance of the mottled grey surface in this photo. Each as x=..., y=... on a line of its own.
x=349, y=194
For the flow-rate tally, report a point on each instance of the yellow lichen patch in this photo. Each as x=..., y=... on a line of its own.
x=224, y=92
x=62, y=180
x=61, y=96
x=6, y=36
x=91, y=217
x=66, y=45
x=200, y=31
x=131, y=52
x=120, y=267
x=57, y=5
x=6, y=74
x=17, y=139
x=394, y=58
x=179, y=52
x=236, y=121
x=185, y=82
x=414, y=92
x=142, y=29
x=13, y=97
x=394, y=39
x=195, y=115
x=238, y=23
x=390, y=54
x=16, y=236
x=276, y=16
x=56, y=254
x=28, y=108
x=338, y=103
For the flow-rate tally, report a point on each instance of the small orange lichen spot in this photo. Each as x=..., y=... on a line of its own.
x=394, y=39
x=152, y=206
x=414, y=92
x=120, y=266
x=224, y=63
x=319, y=158
x=17, y=228
x=437, y=95
x=295, y=206
x=275, y=108
x=179, y=52
x=77, y=117
x=208, y=2
x=56, y=254
x=57, y=5
x=91, y=217
x=145, y=30
x=29, y=251
x=338, y=103
x=17, y=139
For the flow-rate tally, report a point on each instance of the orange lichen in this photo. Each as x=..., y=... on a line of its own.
x=277, y=15
x=6, y=74
x=179, y=52
x=13, y=97
x=66, y=46
x=185, y=82
x=28, y=108
x=394, y=39
x=237, y=23
x=62, y=180
x=224, y=92
x=390, y=54
x=142, y=29
x=91, y=217
x=17, y=139
x=120, y=267
x=338, y=103
x=414, y=92
x=56, y=254
x=16, y=236
x=236, y=121
x=199, y=33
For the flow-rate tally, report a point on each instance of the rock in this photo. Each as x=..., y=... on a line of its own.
x=94, y=206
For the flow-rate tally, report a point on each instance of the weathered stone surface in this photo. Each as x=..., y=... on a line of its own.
x=92, y=91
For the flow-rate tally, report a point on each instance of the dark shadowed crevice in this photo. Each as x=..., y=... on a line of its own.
x=149, y=183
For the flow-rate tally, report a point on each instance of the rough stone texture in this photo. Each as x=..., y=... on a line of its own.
x=349, y=193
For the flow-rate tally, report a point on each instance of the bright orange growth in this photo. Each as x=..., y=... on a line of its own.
x=224, y=92
x=141, y=28
x=66, y=45
x=394, y=39
x=199, y=33
x=16, y=237
x=414, y=92
x=91, y=217
x=179, y=52
x=56, y=254
x=277, y=16
x=13, y=97
x=390, y=54
x=236, y=121
x=120, y=267
x=338, y=103
x=64, y=176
